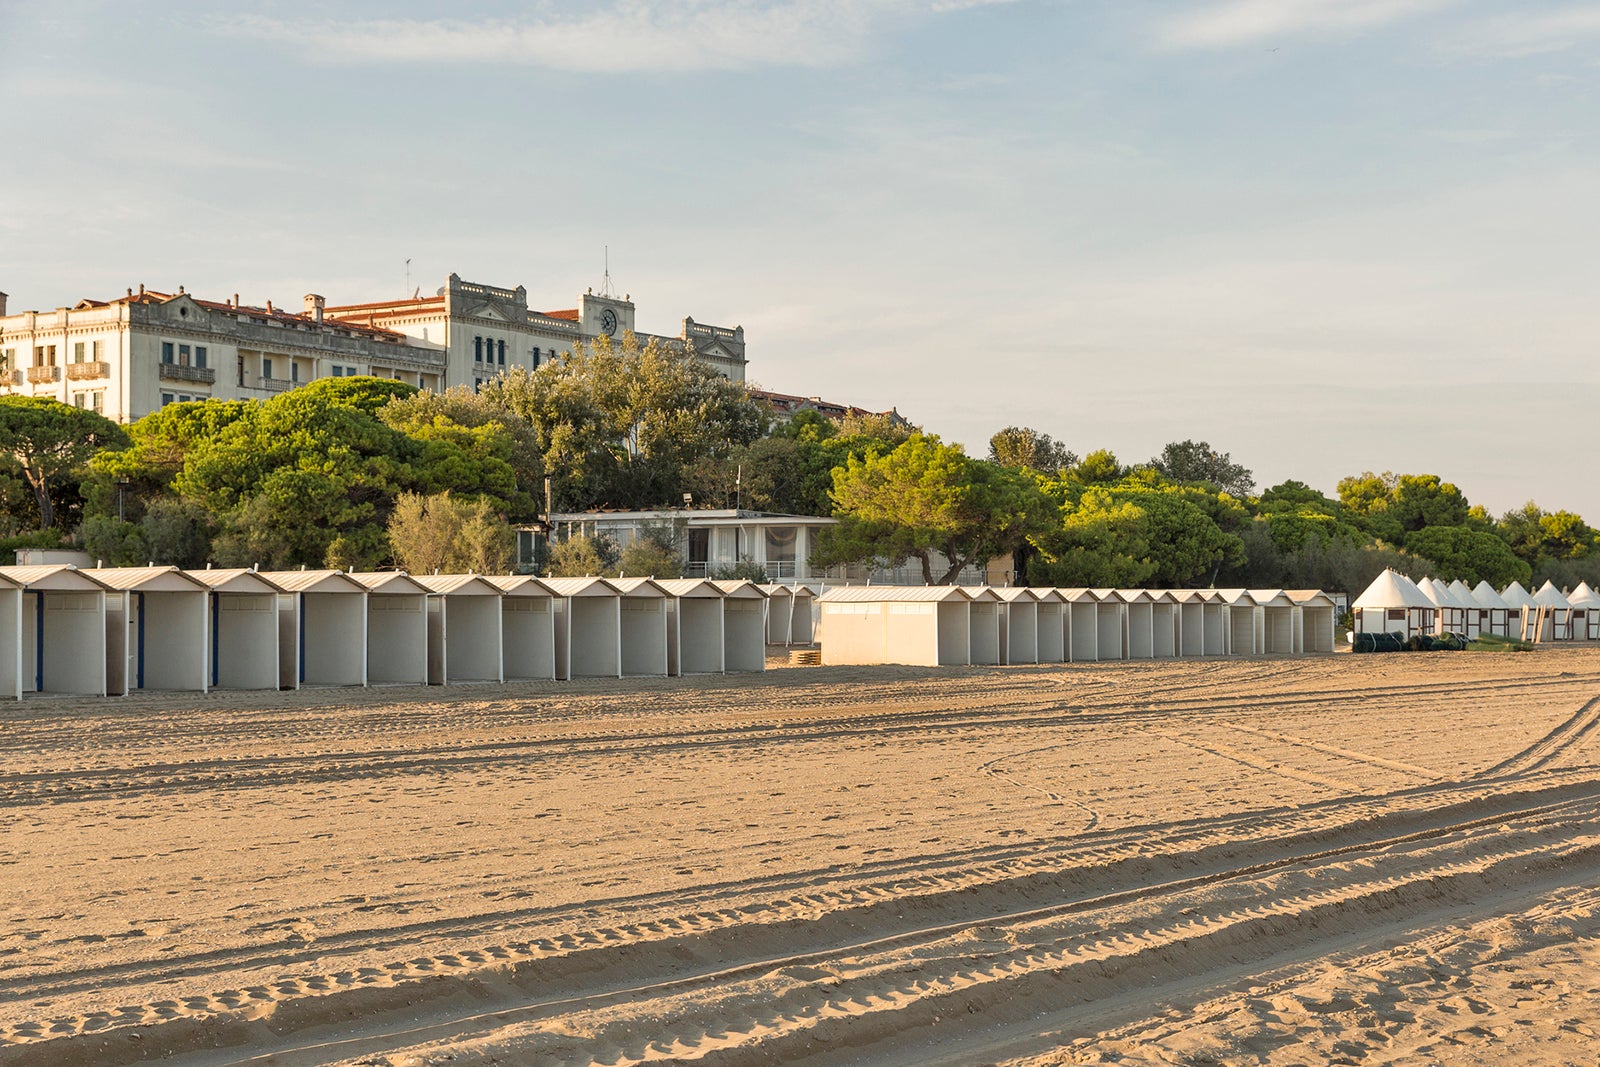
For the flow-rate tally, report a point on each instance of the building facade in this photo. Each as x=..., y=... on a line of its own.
x=129, y=356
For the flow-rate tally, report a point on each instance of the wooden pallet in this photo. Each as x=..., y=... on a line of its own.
x=805, y=657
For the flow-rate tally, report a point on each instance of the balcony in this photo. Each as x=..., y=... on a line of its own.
x=44, y=374
x=78, y=372
x=275, y=385
x=177, y=372
x=10, y=377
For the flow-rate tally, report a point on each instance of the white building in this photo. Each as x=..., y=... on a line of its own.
x=128, y=356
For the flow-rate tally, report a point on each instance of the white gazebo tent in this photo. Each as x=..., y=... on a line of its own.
x=157, y=629
x=1083, y=630
x=1019, y=624
x=1165, y=619
x=1523, y=609
x=1052, y=622
x=1585, y=613
x=1494, y=614
x=1110, y=625
x=322, y=628
x=1452, y=611
x=744, y=626
x=789, y=617
x=527, y=628
x=466, y=641
x=10, y=639
x=243, y=649
x=919, y=625
x=1317, y=620
x=696, y=643
x=1393, y=604
x=1240, y=614
x=1138, y=621
x=1277, y=622
x=588, y=628
x=644, y=626
x=63, y=629
x=1472, y=624
x=397, y=628
x=983, y=627
x=1559, y=613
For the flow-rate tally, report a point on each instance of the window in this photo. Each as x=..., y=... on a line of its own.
x=199, y=355
x=477, y=349
x=338, y=371
x=166, y=352
x=536, y=356
x=183, y=355
x=167, y=398
x=266, y=367
x=78, y=399
x=294, y=370
x=44, y=356
x=477, y=384
x=6, y=356
x=77, y=352
x=502, y=359
x=184, y=398
x=97, y=401
x=99, y=350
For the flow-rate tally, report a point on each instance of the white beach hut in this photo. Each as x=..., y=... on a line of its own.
x=157, y=629
x=695, y=640
x=588, y=628
x=322, y=628
x=790, y=619
x=397, y=628
x=527, y=628
x=62, y=629
x=242, y=652
x=921, y=625
x=1138, y=622
x=1277, y=622
x=1444, y=608
x=10, y=639
x=1317, y=620
x=1393, y=604
x=466, y=639
x=744, y=626
x=1240, y=621
x=1110, y=625
x=1051, y=623
x=1191, y=606
x=1494, y=614
x=1523, y=610
x=984, y=627
x=644, y=627
x=1083, y=628
x=1559, y=611
x=1019, y=624
x=1585, y=613
x=1165, y=621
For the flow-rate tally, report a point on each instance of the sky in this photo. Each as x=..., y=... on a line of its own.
x=1326, y=236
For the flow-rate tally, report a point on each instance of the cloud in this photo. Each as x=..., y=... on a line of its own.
x=1529, y=34
x=632, y=35
x=1242, y=22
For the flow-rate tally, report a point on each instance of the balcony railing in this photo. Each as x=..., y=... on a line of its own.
x=177, y=372
x=275, y=385
x=44, y=374
x=79, y=371
x=10, y=377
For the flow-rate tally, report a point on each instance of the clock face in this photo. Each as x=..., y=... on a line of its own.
x=608, y=322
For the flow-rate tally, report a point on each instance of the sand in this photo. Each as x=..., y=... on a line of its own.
x=1343, y=859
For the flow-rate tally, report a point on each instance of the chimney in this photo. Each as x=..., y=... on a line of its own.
x=269, y=307
x=236, y=301
x=314, y=305
x=2, y=305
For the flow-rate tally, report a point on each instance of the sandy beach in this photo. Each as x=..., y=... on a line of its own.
x=1341, y=859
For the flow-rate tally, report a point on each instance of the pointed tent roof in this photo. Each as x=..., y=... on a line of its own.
x=1517, y=597
x=1484, y=595
x=1437, y=593
x=1549, y=596
x=1584, y=597
x=1463, y=594
x=1391, y=589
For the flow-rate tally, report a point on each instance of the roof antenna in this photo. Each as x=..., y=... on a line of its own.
x=408, y=274
x=605, y=283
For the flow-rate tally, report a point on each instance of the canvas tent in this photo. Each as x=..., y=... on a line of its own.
x=744, y=626
x=588, y=628
x=917, y=625
x=1523, y=611
x=465, y=639
x=527, y=628
x=1393, y=604
x=1585, y=613
x=1494, y=614
x=62, y=629
x=1472, y=614
x=1019, y=625
x=397, y=628
x=1559, y=611
x=322, y=628
x=695, y=640
x=157, y=629
x=242, y=648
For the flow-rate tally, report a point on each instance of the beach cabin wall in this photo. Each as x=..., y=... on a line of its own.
x=1318, y=620
x=1585, y=613
x=1240, y=622
x=916, y=625
x=744, y=626
x=1111, y=625
x=1191, y=625
x=802, y=616
x=527, y=628
x=695, y=639
x=1019, y=626
x=10, y=640
x=1050, y=621
x=397, y=628
x=322, y=628
x=1559, y=611
x=643, y=630
x=62, y=629
x=1164, y=622
x=1138, y=616
x=588, y=626
x=158, y=631
x=1083, y=628
x=983, y=622
x=243, y=647
x=1277, y=622
x=465, y=640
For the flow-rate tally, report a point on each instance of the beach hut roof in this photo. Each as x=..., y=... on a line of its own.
x=323, y=581
x=519, y=584
x=1310, y=597
x=1391, y=589
x=871, y=594
x=1235, y=597
x=48, y=576
x=570, y=587
x=386, y=583
x=739, y=588
x=637, y=587
x=463, y=584
x=1047, y=594
x=1077, y=595
x=1190, y=596
x=235, y=580
x=1584, y=597
x=779, y=589
x=1271, y=598
x=167, y=579
x=1484, y=596
x=696, y=587
x=1549, y=596
x=1013, y=593
x=1133, y=596
x=1517, y=597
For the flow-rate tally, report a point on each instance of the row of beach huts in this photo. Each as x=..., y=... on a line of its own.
x=965, y=625
x=1394, y=603
x=116, y=630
